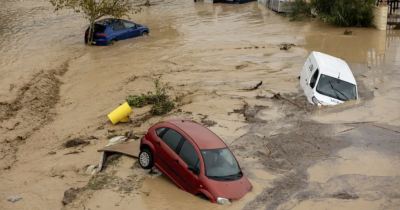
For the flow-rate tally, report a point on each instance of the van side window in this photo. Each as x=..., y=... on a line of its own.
x=314, y=79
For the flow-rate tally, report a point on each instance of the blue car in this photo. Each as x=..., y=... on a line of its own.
x=108, y=31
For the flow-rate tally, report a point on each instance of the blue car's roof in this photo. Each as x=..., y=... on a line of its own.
x=108, y=21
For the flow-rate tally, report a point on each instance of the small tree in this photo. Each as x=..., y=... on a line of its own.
x=95, y=9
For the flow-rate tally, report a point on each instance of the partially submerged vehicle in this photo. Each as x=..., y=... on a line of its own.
x=108, y=31
x=327, y=80
x=195, y=159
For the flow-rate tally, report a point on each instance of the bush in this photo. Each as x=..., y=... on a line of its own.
x=298, y=10
x=345, y=12
x=160, y=100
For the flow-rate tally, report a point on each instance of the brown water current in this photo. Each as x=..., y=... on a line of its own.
x=53, y=88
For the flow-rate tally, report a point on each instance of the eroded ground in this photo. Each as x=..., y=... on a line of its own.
x=54, y=89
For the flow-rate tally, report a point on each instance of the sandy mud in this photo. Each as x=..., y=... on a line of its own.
x=55, y=90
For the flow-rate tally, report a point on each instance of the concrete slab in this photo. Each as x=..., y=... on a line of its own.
x=131, y=148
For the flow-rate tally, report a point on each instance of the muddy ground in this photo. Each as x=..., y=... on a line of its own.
x=54, y=89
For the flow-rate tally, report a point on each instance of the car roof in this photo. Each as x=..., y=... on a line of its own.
x=202, y=136
x=334, y=67
x=108, y=21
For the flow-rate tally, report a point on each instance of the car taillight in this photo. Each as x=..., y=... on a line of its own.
x=102, y=35
x=86, y=32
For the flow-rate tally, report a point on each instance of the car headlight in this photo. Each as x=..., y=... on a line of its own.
x=315, y=101
x=223, y=201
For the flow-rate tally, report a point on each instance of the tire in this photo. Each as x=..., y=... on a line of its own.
x=146, y=159
x=145, y=33
x=203, y=197
x=112, y=42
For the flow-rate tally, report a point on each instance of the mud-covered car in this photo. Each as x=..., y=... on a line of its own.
x=195, y=159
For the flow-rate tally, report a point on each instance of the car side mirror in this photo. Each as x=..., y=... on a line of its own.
x=194, y=170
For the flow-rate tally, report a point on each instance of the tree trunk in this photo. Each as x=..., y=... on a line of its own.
x=91, y=32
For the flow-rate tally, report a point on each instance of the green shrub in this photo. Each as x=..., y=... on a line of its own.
x=345, y=12
x=298, y=10
x=162, y=108
x=160, y=100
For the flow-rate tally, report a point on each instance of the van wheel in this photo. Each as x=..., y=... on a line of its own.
x=146, y=159
x=112, y=42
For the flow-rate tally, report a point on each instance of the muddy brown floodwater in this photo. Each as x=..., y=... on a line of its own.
x=54, y=89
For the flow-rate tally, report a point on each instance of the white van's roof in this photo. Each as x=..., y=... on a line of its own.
x=332, y=66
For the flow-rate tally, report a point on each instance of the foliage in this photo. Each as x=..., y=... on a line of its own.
x=95, y=9
x=298, y=10
x=345, y=12
x=160, y=100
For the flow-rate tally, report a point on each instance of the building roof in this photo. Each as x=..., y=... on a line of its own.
x=334, y=67
x=202, y=136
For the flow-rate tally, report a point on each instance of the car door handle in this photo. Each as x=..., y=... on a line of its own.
x=176, y=161
x=158, y=143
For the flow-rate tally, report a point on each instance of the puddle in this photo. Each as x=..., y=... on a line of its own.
x=355, y=161
x=124, y=165
x=163, y=195
x=108, y=199
x=263, y=174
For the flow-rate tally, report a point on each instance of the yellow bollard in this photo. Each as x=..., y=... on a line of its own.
x=120, y=114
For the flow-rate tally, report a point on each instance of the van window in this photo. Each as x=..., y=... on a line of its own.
x=314, y=79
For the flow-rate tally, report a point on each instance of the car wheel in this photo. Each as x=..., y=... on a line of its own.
x=203, y=197
x=112, y=42
x=146, y=159
x=145, y=33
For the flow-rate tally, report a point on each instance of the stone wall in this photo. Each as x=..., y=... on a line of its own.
x=380, y=20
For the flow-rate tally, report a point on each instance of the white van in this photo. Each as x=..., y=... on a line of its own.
x=327, y=80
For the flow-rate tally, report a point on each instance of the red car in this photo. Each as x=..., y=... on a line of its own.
x=195, y=159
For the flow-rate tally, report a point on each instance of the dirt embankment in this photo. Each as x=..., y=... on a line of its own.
x=31, y=109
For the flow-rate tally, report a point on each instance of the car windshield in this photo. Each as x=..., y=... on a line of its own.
x=220, y=164
x=336, y=88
